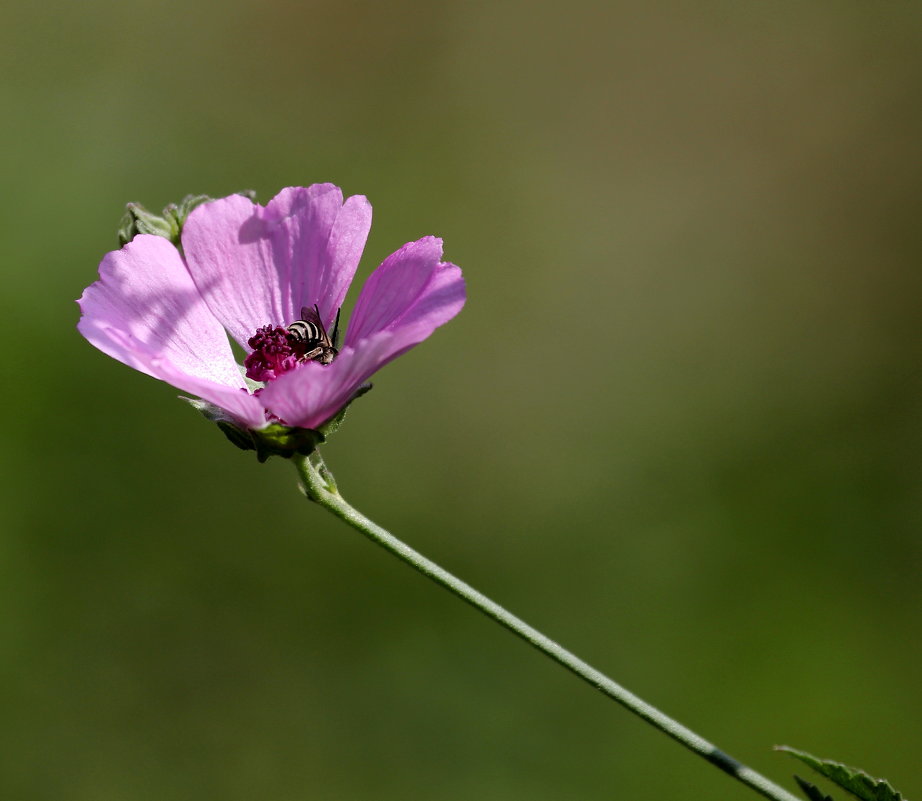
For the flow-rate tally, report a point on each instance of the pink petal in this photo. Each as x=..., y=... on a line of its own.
x=403, y=302
x=146, y=312
x=239, y=403
x=258, y=266
x=412, y=290
x=312, y=394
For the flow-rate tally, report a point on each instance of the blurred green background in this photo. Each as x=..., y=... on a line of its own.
x=677, y=427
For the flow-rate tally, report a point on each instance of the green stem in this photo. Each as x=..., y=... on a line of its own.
x=320, y=487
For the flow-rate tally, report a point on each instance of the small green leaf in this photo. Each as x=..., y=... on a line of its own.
x=856, y=781
x=812, y=792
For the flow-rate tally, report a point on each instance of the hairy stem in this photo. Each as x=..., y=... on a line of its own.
x=320, y=487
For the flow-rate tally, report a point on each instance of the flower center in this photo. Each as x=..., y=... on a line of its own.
x=278, y=350
x=274, y=352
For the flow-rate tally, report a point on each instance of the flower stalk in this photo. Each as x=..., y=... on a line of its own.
x=319, y=486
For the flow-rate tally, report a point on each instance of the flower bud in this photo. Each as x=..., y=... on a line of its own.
x=138, y=220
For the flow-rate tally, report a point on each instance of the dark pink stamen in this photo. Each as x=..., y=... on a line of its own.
x=273, y=354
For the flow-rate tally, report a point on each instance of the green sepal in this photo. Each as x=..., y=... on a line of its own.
x=168, y=224
x=855, y=781
x=273, y=440
x=285, y=441
x=238, y=436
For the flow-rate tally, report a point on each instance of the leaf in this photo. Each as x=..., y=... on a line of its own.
x=857, y=782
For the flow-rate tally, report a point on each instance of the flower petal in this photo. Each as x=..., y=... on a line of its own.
x=146, y=312
x=258, y=266
x=312, y=394
x=239, y=403
x=413, y=290
x=402, y=303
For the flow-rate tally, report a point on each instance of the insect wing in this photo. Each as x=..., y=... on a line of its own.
x=335, y=337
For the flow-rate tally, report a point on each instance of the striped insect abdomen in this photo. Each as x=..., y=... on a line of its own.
x=306, y=332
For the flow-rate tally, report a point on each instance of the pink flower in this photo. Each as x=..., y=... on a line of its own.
x=248, y=271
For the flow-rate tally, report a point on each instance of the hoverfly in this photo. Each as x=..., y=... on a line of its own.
x=310, y=334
